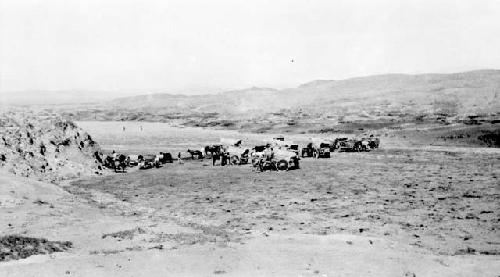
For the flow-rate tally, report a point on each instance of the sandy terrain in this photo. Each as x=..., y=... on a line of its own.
x=113, y=238
x=397, y=211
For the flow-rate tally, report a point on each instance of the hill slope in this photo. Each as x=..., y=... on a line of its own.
x=468, y=92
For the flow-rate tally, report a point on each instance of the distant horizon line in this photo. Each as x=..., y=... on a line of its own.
x=149, y=91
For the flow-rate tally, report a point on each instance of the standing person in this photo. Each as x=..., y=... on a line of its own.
x=215, y=157
x=224, y=158
x=179, y=158
x=268, y=152
x=217, y=154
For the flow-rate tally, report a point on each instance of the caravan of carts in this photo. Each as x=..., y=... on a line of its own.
x=120, y=162
x=323, y=148
x=355, y=145
x=275, y=154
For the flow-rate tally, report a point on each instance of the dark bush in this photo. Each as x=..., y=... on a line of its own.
x=16, y=247
x=491, y=139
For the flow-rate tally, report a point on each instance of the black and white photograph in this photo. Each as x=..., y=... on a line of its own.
x=328, y=138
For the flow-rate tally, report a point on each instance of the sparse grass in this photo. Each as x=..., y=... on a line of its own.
x=410, y=195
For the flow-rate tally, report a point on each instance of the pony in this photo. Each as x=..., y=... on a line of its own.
x=212, y=149
x=197, y=153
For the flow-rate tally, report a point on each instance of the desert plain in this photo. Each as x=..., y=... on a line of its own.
x=405, y=209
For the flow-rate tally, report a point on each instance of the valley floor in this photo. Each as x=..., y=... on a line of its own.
x=399, y=211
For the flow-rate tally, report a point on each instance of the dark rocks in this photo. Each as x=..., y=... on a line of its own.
x=16, y=247
x=466, y=251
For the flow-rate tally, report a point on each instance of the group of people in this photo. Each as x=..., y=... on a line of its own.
x=223, y=156
x=227, y=154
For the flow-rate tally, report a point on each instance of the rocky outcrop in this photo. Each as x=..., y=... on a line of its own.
x=46, y=146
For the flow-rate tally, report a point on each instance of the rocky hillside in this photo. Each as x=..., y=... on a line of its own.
x=45, y=146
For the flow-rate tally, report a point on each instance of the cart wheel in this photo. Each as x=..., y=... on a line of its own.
x=235, y=160
x=282, y=165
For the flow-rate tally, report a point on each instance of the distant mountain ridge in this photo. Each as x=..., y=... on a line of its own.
x=465, y=92
x=370, y=96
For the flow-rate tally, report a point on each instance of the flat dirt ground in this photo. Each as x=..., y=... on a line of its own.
x=387, y=193
x=396, y=211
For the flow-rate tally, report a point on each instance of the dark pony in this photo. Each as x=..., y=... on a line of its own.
x=212, y=149
x=197, y=153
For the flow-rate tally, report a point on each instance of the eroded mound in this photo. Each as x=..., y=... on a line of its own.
x=46, y=147
x=17, y=247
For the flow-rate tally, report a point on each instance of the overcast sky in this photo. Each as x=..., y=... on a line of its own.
x=183, y=46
